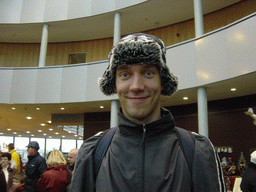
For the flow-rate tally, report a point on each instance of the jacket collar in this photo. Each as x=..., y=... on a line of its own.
x=128, y=127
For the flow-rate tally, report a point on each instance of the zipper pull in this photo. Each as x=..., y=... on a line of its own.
x=144, y=134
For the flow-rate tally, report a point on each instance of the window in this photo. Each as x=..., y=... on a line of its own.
x=77, y=58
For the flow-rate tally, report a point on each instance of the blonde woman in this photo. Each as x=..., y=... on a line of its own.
x=55, y=177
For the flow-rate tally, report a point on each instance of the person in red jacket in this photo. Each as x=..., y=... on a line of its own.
x=55, y=177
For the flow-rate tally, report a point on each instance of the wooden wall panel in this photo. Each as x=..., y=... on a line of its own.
x=27, y=55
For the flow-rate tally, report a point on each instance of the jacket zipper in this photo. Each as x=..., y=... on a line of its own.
x=143, y=159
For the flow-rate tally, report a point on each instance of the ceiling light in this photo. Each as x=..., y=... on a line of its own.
x=27, y=131
x=50, y=129
x=32, y=135
x=57, y=133
x=1, y=133
x=13, y=108
x=62, y=108
x=28, y=117
x=80, y=137
x=19, y=135
x=50, y=136
x=185, y=98
x=42, y=124
x=49, y=121
x=8, y=129
x=75, y=135
x=63, y=136
x=37, y=109
x=14, y=133
x=40, y=131
x=45, y=134
x=101, y=107
x=233, y=89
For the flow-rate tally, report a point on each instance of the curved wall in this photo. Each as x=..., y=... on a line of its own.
x=27, y=11
x=222, y=54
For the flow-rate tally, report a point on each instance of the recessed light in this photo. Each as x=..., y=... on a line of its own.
x=63, y=136
x=13, y=108
x=80, y=137
x=8, y=129
x=45, y=134
x=19, y=135
x=185, y=98
x=50, y=129
x=28, y=117
x=101, y=107
x=32, y=135
x=14, y=133
x=75, y=135
x=40, y=131
x=1, y=133
x=233, y=89
x=37, y=108
x=49, y=121
x=27, y=131
x=50, y=136
x=57, y=133
x=62, y=108
x=42, y=124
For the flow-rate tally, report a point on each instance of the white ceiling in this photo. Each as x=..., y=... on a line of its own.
x=149, y=15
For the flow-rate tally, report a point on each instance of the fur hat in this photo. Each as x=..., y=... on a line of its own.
x=138, y=48
x=253, y=157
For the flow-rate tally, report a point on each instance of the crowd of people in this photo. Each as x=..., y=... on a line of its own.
x=39, y=174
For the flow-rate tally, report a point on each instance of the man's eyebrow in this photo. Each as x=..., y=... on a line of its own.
x=122, y=67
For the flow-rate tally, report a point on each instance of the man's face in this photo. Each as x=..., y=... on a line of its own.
x=139, y=91
x=5, y=161
x=30, y=150
x=17, y=184
x=71, y=158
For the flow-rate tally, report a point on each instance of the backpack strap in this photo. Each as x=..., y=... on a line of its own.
x=187, y=142
x=101, y=148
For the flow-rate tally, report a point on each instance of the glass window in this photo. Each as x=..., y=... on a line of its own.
x=41, y=142
x=76, y=58
x=68, y=144
x=79, y=143
x=4, y=141
x=21, y=144
x=52, y=144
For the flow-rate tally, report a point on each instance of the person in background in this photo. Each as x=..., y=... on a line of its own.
x=8, y=171
x=72, y=158
x=55, y=178
x=145, y=153
x=15, y=157
x=19, y=180
x=248, y=183
x=35, y=166
x=3, y=186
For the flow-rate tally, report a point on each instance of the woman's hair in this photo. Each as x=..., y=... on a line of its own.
x=56, y=158
x=8, y=155
x=20, y=177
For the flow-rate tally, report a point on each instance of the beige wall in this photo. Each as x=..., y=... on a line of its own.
x=26, y=55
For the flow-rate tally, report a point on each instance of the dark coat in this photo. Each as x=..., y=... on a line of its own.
x=35, y=167
x=3, y=186
x=148, y=158
x=10, y=179
x=248, y=183
x=54, y=179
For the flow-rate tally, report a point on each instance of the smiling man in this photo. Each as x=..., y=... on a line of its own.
x=146, y=152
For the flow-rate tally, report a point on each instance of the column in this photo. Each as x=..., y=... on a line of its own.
x=43, y=47
x=114, y=103
x=201, y=92
x=202, y=112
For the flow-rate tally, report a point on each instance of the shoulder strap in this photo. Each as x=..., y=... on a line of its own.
x=187, y=142
x=102, y=147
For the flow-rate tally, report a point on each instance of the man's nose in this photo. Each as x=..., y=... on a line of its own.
x=137, y=83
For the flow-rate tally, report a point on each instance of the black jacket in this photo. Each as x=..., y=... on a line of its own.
x=35, y=167
x=248, y=183
x=148, y=158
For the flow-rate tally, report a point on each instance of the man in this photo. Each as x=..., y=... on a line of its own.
x=15, y=157
x=35, y=166
x=248, y=183
x=72, y=158
x=145, y=153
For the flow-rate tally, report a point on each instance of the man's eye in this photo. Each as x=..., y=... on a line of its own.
x=149, y=73
x=124, y=75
